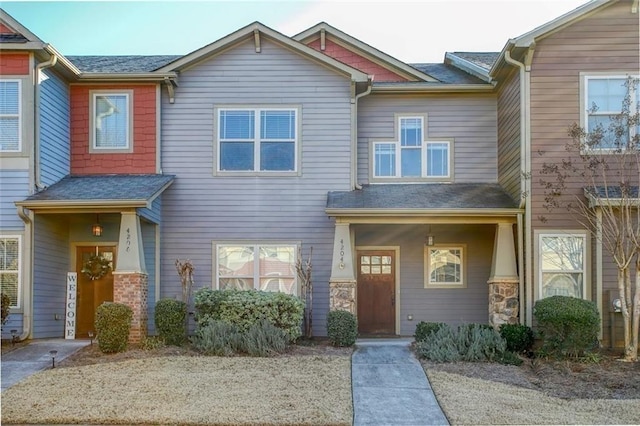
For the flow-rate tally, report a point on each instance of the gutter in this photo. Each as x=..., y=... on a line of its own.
x=36, y=114
x=417, y=212
x=354, y=133
x=27, y=273
x=71, y=204
x=414, y=87
x=133, y=76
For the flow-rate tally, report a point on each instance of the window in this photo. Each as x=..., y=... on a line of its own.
x=10, y=133
x=264, y=267
x=562, y=264
x=444, y=266
x=257, y=140
x=10, y=268
x=604, y=100
x=111, y=121
x=412, y=156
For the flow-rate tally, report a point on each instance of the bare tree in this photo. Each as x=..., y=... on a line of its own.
x=605, y=161
x=303, y=270
x=185, y=272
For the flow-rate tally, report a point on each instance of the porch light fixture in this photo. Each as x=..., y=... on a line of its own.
x=617, y=305
x=428, y=239
x=97, y=229
x=53, y=354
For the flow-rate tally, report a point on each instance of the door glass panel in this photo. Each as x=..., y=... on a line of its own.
x=375, y=260
x=386, y=260
x=365, y=269
x=365, y=260
x=386, y=269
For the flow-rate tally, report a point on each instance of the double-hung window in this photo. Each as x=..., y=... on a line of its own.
x=111, y=129
x=444, y=266
x=10, y=268
x=562, y=264
x=267, y=267
x=257, y=140
x=412, y=155
x=10, y=117
x=603, y=103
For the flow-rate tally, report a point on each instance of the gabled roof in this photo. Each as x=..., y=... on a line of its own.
x=113, y=64
x=253, y=32
x=100, y=191
x=366, y=50
x=21, y=38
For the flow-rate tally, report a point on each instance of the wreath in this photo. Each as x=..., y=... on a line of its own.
x=96, y=267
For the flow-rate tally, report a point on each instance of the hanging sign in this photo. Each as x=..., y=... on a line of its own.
x=70, y=315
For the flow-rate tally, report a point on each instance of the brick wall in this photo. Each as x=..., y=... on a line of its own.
x=132, y=290
x=354, y=60
x=143, y=157
x=14, y=63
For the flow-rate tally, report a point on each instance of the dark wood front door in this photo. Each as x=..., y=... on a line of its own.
x=92, y=292
x=376, y=292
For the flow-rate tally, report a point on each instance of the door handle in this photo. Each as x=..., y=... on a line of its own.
x=393, y=300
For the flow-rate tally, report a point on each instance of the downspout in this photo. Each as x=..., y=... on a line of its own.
x=27, y=273
x=354, y=132
x=36, y=117
x=525, y=186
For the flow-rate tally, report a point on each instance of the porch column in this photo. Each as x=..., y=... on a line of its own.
x=342, y=284
x=503, y=283
x=130, y=279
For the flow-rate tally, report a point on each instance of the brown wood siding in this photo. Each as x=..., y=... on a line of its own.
x=606, y=41
x=509, y=135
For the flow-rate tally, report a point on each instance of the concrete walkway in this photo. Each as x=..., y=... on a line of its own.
x=390, y=386
x=22, y=362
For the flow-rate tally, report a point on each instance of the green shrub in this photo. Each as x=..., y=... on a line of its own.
x=244, y=308
x=510, y=358
x=150, y=343
x=170, y=317
x=6, y=303
x=113, y=323
x=468, y=342
x=519, y=337
x=342, y=328
x=569, y=326
x=264, y=339
x=423, y=329
x=217, y=338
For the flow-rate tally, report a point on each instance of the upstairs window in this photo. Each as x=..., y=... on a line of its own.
x=10, y=268
x=111, y=121
x=257, y=140
x=412, y=156
x=604, y=99
x=10, y=140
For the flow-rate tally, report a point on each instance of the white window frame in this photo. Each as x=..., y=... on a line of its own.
x=586, y=105
x=257, y=140
x=256, y=245
x=93, y=148
x=584, y=235
x=19, y=271
x=18, y=115
x=397, y=144
x=462, y=283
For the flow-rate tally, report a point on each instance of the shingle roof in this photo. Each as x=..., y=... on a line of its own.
x=446, y=73
x=423, y=196
x=482, y=59
x=108, y=64
x=612, y=192
x=12, y=38
x=104, y=188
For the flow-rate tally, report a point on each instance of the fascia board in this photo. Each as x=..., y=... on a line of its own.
x=432, y=88
x=63, y=205
x=379, y=56
x=149, y=76
x=248, y=31
x=423, y=212
x=26, y=46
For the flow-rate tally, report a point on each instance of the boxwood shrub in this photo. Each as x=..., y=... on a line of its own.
x=170, y=317
x=342, y=328
x=569, y=326
x=519, y=337
x=113, y=324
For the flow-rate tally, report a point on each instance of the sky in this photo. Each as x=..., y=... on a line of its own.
x=417, y=31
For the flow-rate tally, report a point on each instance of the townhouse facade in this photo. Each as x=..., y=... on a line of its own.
x=408, y=180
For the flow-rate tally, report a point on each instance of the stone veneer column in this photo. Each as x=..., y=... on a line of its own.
x=504, y=281
x=342, y=284
x=131, y=289
x=342, y=296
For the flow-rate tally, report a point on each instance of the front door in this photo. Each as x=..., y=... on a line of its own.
x=376, y=292
x=93, y=287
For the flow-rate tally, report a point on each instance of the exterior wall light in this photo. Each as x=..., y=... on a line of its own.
x=617, y=305
x=97, y=229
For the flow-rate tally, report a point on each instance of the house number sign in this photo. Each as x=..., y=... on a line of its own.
x=70, y=315
x=341, y=265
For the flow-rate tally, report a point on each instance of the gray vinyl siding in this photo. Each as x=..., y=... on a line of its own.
x=452, y=306
x=14, y=322
x=51, y=264
x=153, y=214
x=149, y=246
x=14, y=186
x=509, y=173
x=200, y=209
x=54, y=129
x=470, y=120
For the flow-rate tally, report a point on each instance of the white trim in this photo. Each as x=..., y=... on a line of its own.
x=19, y=115
x=93, y=148
x=462, y=283
x=17, y=237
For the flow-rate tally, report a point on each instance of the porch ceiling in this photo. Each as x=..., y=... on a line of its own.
x=417, y=199
x=99, y=191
